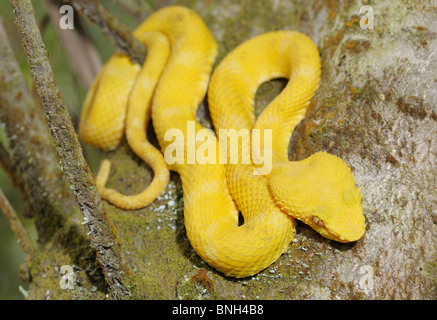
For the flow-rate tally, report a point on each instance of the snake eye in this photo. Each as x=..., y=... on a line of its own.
x=318, y=222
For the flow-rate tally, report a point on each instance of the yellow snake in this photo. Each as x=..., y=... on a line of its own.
x=320, y=190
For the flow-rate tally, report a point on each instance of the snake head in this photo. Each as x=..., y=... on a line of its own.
x=320, y=191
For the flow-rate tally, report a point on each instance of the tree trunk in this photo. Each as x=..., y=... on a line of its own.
x=376, y=108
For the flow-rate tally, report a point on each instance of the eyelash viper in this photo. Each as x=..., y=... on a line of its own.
x=320, y=190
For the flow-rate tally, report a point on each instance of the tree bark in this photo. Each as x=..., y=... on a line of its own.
x=376, y=108
x=104, y=239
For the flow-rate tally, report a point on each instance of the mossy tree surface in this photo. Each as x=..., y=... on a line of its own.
x=375, y=108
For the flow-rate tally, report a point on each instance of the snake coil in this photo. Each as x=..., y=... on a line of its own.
x=320, y=190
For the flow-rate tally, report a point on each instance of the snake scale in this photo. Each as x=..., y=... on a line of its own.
x=320, y=190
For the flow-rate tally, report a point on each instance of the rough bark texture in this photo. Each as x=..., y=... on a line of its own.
x=26, y=149
x=375, y=108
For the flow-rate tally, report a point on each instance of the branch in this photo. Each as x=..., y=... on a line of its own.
x=137, y=8
x=26, y=151
x=104, y=238
x=22, y=236
x=119, y=35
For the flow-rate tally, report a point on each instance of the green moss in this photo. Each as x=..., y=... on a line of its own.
x=69, y=246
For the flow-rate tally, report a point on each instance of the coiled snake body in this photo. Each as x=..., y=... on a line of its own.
x=320, y=190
